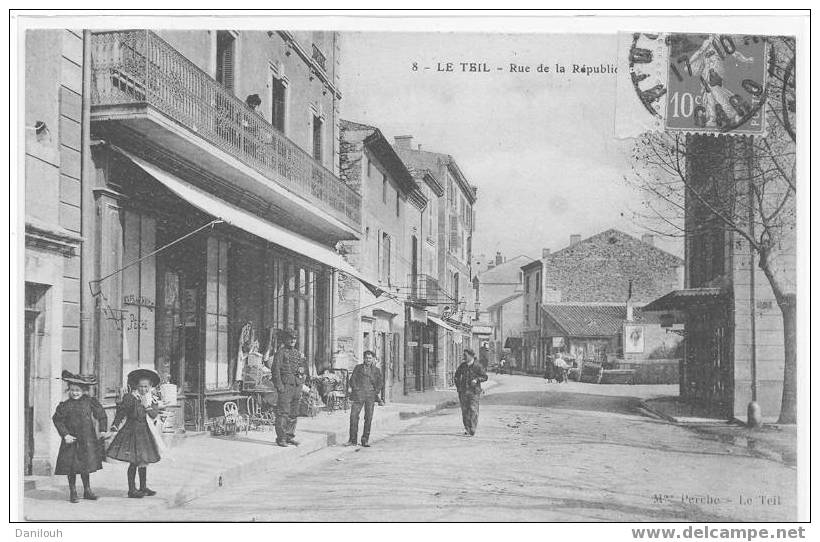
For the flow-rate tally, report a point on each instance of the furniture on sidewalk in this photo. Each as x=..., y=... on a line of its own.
x=335, y=389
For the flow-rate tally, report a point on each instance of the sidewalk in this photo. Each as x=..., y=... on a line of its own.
x=440, y=398
x=771, y=441
x=196, y=464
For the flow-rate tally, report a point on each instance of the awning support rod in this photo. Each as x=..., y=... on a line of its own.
x=210, y=224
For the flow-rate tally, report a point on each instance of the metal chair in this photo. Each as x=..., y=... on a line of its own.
x=234, y=421
x=256, y=416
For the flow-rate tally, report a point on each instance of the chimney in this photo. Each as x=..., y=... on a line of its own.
x=419, y=146
x=545, y=252
x=404, y=141
x=574, y=239
x=498, y=259
x=649, y=239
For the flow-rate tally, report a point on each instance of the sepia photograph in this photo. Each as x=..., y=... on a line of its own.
x=273, y=267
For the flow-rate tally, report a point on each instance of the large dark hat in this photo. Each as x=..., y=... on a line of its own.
x=82, y=380
x=138, y=374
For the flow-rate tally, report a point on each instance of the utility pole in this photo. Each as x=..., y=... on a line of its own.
x=753, y=414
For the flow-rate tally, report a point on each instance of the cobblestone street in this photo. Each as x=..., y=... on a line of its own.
x=543, y=452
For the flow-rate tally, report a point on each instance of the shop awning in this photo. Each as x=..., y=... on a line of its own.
x=249, y=222
x=442, y=323
x=686, y=299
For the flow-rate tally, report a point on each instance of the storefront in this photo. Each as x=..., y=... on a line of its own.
x=188, y=279
x=421, y=368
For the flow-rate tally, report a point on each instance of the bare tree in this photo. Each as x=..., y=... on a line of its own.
x=696, y=184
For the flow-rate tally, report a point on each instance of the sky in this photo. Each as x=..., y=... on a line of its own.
x=540, y=147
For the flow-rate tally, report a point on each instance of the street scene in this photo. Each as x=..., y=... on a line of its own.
x=289, y=275
x=576, y=452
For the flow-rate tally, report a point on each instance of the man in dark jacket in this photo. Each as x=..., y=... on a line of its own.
x=288, y=375
x=468, y=379
x=365, y=388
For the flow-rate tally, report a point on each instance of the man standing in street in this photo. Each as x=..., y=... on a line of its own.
x=288, y=374
x=365, y=389
x=468, y=379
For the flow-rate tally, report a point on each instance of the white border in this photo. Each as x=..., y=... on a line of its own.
x=792, y=23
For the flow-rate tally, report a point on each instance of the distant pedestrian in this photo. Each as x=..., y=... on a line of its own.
x=468, y=379
x=81, y=422
x=366, y=386
x=549, y=370
x=288, y=374
x=135, y=441
x=561, y=368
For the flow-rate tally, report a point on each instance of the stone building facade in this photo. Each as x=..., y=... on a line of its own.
x=201, y=212
x=609, y=267
x=389, y=255
x=54, y=250
x=456, y=222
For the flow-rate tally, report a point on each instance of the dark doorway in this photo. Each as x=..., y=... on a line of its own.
x=34, y=333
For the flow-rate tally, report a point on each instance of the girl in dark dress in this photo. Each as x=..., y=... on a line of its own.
x=134, y=442
x=81, y=422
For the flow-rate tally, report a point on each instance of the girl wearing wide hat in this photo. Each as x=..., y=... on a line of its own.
x=134, y=442
x=81, y=422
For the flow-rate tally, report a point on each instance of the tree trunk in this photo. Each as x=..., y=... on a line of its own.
x=788, y=405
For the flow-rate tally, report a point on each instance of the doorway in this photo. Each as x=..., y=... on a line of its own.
x=34, y=334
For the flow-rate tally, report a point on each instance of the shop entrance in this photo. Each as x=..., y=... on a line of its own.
x=180, y=291
x=34, y=333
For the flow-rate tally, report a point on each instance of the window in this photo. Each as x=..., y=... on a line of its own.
x=537, y=313
x=455, y=237
x=527, y=314
x=385, y=259
x=216, y=315
x=537, y=282
x=317, y=138
x=398, y=204
x=527, y=285
x=278, y=103
x=455, y=287
x=384, y=188
x=225, y=56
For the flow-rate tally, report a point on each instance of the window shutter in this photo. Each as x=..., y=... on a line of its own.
x=454, y=240
x=379, y=254
x=227, y=67
x=388, y=260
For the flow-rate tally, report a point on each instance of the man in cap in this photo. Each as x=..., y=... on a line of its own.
x=468, y=379
x=365, y=385
x=288, y=374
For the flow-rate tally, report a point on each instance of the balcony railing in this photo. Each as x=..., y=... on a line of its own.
x=425, y=289
x=139, y=67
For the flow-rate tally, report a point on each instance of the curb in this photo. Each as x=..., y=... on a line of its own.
x=658, y=413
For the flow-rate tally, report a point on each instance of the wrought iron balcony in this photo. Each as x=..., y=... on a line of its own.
x=425, y=290
x=137, y=67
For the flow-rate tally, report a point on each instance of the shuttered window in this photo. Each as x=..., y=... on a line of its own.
x=278, y=104
x=455, y=237
x=317, y=138
x=386, y=259
x=225, y=53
